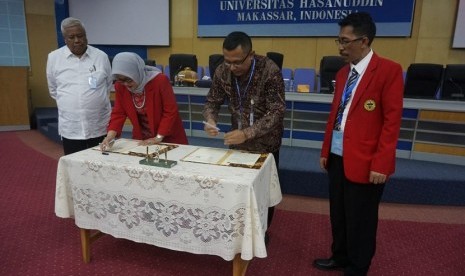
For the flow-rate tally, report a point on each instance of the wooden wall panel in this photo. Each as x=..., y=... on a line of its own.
x=14, y=98
x=439, y=149
x=428, y=115
x=430, y=41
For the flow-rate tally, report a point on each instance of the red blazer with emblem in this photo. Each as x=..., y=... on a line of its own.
x=370, y=136
x=162, y=111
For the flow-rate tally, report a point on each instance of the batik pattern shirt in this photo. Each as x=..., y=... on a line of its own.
x=265, y=91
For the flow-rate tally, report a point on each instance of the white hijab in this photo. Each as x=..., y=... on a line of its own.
x=132, y=66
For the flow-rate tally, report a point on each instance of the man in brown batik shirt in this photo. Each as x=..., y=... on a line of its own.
x=254, y=89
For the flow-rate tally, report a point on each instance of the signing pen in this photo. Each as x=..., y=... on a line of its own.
x=110, y=144
x=210, y=125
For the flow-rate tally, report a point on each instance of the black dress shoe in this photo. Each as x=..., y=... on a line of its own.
x=328, y=264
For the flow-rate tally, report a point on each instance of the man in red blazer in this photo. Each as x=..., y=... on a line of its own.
x=359, y=146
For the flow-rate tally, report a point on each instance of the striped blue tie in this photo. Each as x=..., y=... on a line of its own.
x=345, y=98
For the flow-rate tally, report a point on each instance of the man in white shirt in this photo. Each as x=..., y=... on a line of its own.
x=79, y=79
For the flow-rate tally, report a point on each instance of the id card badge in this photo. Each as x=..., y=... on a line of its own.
x=92, y=82
x=336, y=142
x=251, y=118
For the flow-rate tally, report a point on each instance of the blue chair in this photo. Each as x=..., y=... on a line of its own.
x=287, y=73
x=200, y=72
x=166, y=71
x=159, y=66
x=305, y=76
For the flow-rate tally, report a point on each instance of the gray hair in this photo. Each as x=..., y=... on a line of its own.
x=70, y=22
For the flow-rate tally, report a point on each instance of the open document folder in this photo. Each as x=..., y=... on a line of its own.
x=129, y=146
x=225, y=157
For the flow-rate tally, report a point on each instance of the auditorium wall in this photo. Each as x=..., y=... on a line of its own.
x=430, y=42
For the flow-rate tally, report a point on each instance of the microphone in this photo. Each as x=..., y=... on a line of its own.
x=459, y=88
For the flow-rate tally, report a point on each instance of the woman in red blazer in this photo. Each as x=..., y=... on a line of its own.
x=145, y=96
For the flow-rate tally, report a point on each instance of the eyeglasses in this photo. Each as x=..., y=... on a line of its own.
x=344, y=43
x=124, y=80
x=237, y=63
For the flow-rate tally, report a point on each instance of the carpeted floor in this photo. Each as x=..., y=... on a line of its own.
x=411, y=240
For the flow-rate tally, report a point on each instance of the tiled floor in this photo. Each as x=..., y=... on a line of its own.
x=390, y=211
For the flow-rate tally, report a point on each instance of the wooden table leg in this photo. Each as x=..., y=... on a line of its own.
x=239, y=266
x=86, y=239
x=85, y=245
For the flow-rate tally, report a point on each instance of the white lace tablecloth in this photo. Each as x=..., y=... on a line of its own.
x=192, y=207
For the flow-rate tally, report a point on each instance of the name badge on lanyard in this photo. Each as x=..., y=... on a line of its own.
x=251, y=113
x=239, y=96
x=336, y=142
x=92, y=79
x=92, y=82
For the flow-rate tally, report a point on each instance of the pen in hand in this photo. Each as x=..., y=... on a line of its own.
x=210, y=125
x=106, y=146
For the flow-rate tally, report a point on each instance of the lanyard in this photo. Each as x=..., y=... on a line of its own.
x=239, y=94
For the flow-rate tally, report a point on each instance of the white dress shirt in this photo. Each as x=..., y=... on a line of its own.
x=81, y=88
x=360, y=67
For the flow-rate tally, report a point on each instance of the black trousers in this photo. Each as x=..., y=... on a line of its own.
x=72, y=146
x=354, y=218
